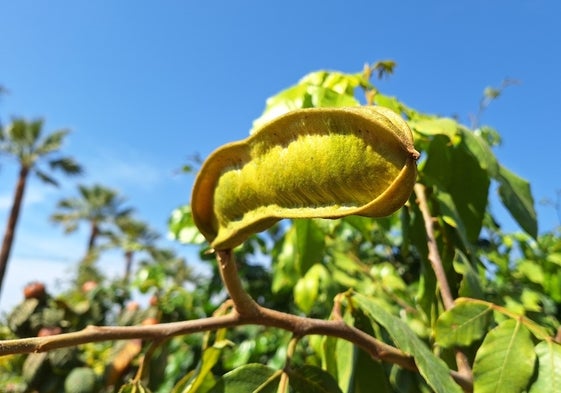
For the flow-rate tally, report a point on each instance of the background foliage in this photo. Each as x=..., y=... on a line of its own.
x=376, y=275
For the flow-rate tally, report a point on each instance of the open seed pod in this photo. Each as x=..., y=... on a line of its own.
x=309, y=163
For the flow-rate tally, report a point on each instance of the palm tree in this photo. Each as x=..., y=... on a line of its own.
x=134, y=236
x=98, y=206
x=22, y=140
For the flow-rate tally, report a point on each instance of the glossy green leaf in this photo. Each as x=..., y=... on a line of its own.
x=338, y=356
x=549, y=368
x=346, y=262
x=505, y=361
x=469, y=186
x=210, y=357
x=251, y=378
x=480, y=149
x=489, y=135
x=208, y=361
x=436, y=126
x=554, y=257
x=301, y=247
x=182, y=227
x=367, y=372
x=459, y=172
x=531, y=300
x=438, y=168
x=307, y=288
x=311, y=379
x=204, y=385
x=517, y=197
x=470, y=285
x=451, y=216
x=463, y=324
x=286, y=269
x=389, y=102
x=532, y=270
x=317, y=89
x=434, y=370
x=388, y=276
x=240, y=354
x=309, y=244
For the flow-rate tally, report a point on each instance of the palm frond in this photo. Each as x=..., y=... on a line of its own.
x=24, y=133
x=67, y=165
x=46, y=178
x=52, y=142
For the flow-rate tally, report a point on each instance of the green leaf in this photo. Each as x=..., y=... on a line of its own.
x=554, y=257
x=285, y=275
x=210, y=357
x=240, y=355
x=463, y=324
x=251, y=378
x=338, y=356
x=182, y=227
x=532, y=270
x=450, y=215
x=462, y=173
x=471, y=285
x=516, y=195
x=549, y=368
x=389, y=102
x=438, y=166
x=480, y=149
x=311, y=379
x=301, y=247
x=207, y=383
x=317, y=89
x=435, y=372
x=531, y=300
x=469, y=185
x=367, y=370
x=384, y=67
x=505, y=361
x=307, y=288
x=432, y=126
x=134, y=387
x=310, y=244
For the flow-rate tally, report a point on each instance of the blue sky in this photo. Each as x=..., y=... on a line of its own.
x=145, y=85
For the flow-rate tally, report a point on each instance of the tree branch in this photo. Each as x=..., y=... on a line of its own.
x=462, y=362
x=299, y=326
x=243, y=303
x=245, y=312
x=434, y=255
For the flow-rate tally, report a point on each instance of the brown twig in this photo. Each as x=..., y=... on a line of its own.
x=245, y=312
x=434, y=255
x=243, y=303
x=299, y=326
x=462, y=362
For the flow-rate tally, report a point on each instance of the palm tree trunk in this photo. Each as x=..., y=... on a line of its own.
x=12, y=222
x=128, y=265
x=94, y=231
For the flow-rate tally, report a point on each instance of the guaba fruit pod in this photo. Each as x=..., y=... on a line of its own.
x=309, y=163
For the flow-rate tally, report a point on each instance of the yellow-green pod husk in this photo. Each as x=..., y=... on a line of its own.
x=308, y=163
